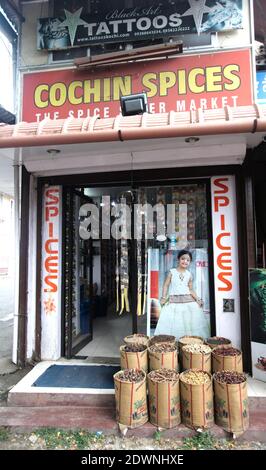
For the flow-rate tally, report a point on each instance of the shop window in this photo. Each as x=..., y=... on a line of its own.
x=69, y=54
x=112, y=280
x=189, y=231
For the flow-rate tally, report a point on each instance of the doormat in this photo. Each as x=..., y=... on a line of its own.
x=87, y=376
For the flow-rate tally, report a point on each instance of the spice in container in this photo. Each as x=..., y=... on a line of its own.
x=193, y=377
x=197, y=348
x=226, y=358
x=229, y=377
x=163, y=347
x=134, y=347
x=162, y=339
x=131, y=375
x=214, y=341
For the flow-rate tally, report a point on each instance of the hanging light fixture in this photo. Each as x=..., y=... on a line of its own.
x=134, y=104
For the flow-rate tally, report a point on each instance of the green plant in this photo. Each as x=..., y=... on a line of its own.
x=4, y=433
x=200, y=441
x=157, y=435
x=67, y=439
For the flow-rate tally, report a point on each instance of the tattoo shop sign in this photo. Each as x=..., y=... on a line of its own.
x=77, y=28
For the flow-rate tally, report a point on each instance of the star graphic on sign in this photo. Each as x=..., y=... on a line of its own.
x=197, y=10
x=72, y=21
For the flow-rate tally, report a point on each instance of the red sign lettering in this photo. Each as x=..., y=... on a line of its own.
x=222, y=240
x=51, y=244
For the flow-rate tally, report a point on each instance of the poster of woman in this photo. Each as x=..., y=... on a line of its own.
x=178, y=292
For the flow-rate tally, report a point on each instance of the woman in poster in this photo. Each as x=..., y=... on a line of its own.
x=182, y=313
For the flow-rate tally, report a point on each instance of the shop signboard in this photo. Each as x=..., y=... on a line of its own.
x=261, y=87
x=78, y=28
x=225, y=254
x=184, y=83
x=257, y=296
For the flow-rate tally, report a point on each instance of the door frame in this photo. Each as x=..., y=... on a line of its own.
x=133, y=249
x=67, y=348
x=168, y=176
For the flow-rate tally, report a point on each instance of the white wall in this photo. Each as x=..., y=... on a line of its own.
x=30, y=56
x=6, y=235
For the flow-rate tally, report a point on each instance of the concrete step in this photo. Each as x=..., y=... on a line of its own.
x=26, y=393
x=76, y=417
x=69, y=398
x=94, y=419
x=94, y=410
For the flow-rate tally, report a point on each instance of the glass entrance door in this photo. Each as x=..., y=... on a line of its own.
x=96, y=281
x=115, y=273
x=77, y=327
x=180, y=221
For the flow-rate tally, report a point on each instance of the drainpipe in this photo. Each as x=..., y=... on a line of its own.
x=16, y=260
x=23, y=269
x=12, y=8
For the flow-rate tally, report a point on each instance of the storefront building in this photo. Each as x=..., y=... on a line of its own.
x=81, y=295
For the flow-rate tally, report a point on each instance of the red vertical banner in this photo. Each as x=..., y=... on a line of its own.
x=154, y=307
x=154, y=273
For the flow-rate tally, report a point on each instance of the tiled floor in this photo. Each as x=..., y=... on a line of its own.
x=256, y=388
x=25, y=385
x=108, y=334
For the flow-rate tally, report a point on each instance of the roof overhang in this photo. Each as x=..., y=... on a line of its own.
x=6, y=117
x=155, y=140
x=260, y=20
x=157, y=51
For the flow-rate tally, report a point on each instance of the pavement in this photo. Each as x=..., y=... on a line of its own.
x=10, y=374
x=6, y=317
x=83, y=415
x=7, y=367
x=31, y=408
x=102, y=419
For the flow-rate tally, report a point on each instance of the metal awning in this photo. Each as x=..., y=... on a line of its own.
x=163, y=140
x=157, y=51
x=241, y=119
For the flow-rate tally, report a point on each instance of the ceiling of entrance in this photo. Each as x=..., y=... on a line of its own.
x=139, y=154
x=135, y=154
